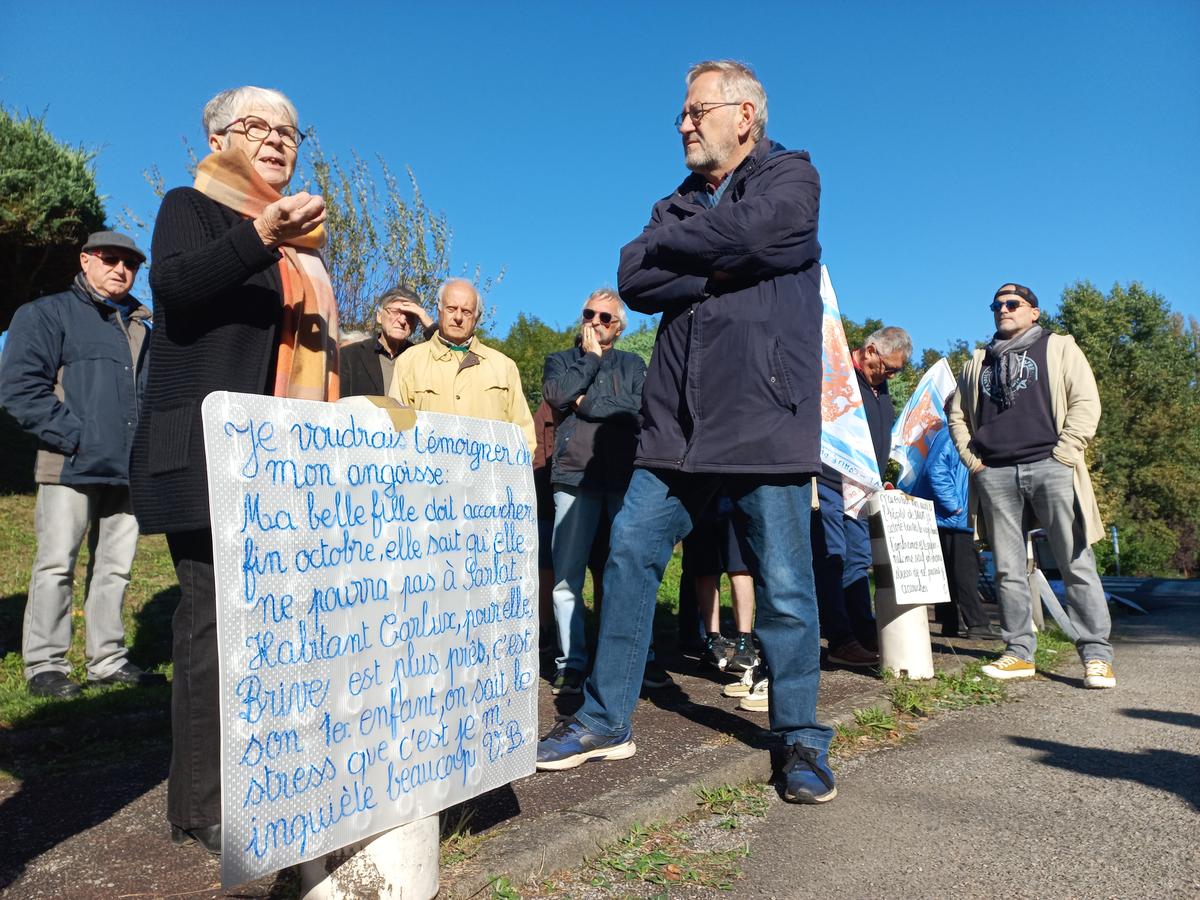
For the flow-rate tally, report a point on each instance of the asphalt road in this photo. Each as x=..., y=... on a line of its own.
x=1064, y=793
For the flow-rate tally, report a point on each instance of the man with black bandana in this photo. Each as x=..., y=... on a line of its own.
x=72, y=375
x=1025, y=410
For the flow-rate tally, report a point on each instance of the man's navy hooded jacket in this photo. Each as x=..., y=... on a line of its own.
x=734, y=385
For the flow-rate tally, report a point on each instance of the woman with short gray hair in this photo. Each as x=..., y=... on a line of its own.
x=237, y=269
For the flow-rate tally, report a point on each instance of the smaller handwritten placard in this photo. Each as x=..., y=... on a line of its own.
x=917, y=571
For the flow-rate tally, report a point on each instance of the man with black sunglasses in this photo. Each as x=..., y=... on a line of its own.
x=72, y=374
x=595, y=391
x=731, y=261
x=1025, y=409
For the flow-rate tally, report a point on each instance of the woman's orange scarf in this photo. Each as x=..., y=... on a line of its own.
x=307, y=364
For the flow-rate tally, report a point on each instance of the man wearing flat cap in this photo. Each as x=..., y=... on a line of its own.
x=1025, y=410
x=72, y=375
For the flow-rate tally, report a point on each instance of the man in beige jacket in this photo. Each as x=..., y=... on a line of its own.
x=454, y=372
x=1025, y=409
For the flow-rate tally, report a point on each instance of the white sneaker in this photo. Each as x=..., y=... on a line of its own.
x=756, y=700
x=742, y=686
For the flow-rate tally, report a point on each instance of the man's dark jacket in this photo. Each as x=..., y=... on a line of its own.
x=68, y=376
x=735, y=380
x=594, y=446
x=359, y=369
x=217, y=303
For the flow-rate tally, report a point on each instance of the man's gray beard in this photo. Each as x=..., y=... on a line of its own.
x=710, y=157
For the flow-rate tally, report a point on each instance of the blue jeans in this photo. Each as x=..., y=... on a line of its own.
x=577, y=512
x=1047, y=489
x=659, y=510
x=841, y=555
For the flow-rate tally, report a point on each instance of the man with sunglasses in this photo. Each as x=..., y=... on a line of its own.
x=595, y=391
x=731, y=261
x=1025, y=409
x=72, y=375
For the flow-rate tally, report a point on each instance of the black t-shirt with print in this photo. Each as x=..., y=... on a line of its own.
x=1025, y=431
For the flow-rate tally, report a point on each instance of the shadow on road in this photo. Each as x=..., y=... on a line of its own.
x=1166, y=770
x=1170, y=717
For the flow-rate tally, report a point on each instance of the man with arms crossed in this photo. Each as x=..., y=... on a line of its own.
x=731, y=402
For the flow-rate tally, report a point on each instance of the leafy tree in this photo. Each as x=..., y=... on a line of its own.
x=379, y=237
x=529, y=342
x=640, y=340
x=1146, y=454
x=48, y=206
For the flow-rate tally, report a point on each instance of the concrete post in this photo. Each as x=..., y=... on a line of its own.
x=903, y=630
x=400, y=864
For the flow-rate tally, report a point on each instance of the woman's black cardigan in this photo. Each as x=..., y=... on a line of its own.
x=217, y=303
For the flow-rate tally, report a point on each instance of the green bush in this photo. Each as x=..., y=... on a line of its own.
x=48, y=206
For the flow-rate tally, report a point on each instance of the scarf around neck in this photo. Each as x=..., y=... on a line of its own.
x=306, y=366
x=1002, y=356
x=125, y=306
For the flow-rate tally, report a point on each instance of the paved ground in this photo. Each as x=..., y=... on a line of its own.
x=1065, y=793
x=101, y=833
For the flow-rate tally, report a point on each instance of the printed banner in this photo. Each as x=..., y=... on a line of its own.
x=377, y=620
x=845, y=436
x=923, y=416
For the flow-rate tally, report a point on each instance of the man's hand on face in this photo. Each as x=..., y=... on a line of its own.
x=589, y=342
x=409, y=308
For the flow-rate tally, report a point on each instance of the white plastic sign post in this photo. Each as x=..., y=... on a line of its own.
x=909, y=573
x=376, y=615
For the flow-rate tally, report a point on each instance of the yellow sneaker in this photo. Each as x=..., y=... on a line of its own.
x=1098, y=674
x=1009, y=666
x=756, y=700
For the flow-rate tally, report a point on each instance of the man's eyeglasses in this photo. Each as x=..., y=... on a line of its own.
x=604, y=317
x=257, y=130
x=1010, y=305
x=112, y=259
x=699, y=110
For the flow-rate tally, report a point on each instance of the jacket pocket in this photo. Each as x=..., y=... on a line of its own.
x=171, y=438
x=780, y=379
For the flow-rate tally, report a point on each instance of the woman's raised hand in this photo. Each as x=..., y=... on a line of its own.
x=289, y=218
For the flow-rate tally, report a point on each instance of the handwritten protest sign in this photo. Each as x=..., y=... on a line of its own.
x=914, y=568
x=376, y=598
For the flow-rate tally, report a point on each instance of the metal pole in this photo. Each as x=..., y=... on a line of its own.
x=1116, y=549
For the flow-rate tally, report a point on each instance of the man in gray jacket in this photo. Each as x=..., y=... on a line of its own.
x=71, y=374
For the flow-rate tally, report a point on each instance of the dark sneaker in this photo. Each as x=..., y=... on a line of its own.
x=656, y=676
x=984, y=633
x=569, y=744
x=852, y=653
x=716, y=653
x=567, y=681
x=131, y=674
x=809, y=778
x=744, y=657
x=53, y=684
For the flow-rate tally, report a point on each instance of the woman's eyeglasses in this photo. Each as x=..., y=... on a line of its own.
x=1010, y=305
x=604, y=317
x=258, y=130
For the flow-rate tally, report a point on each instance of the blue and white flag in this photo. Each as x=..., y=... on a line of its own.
x=923, y=416
x=845, y=436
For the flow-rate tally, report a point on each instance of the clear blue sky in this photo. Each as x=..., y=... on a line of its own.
x=960, y=144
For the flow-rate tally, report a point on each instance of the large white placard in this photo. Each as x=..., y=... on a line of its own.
x=377, y=619
x=917, y=571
